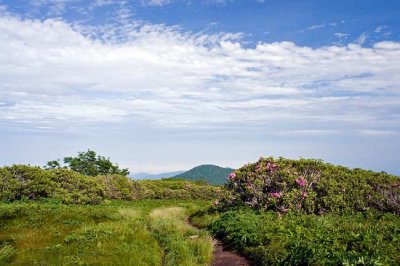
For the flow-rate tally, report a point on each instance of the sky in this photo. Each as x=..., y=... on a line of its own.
x=166, y=85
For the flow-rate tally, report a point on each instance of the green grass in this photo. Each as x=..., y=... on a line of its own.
x=145, y=232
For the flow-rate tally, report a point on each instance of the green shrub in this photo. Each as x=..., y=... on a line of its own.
x=120, y=187
x=176, y=189
x=26, y=182
x=22, y=181
x=307, y=212
x=308, y=239
x=19, y=182
x=310, y=186
x=73, y=188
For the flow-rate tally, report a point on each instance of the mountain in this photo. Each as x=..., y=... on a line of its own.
x=213, y=174
x=143, y=175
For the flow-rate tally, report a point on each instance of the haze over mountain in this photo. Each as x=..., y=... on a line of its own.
x=143, y=175
x=213, y=174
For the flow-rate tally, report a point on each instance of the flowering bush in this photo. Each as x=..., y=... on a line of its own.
x=310, y=186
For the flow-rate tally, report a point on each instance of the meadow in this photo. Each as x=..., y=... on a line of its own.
x=142, y=232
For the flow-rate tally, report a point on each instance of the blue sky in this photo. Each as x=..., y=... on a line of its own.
x=164, y=85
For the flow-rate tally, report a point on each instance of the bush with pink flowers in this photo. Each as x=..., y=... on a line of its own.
x=310, y=186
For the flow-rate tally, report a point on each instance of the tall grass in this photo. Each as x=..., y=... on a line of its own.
x=117, y=233
x=182, y=243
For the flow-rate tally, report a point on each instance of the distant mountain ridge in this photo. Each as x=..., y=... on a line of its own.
x=143, y=175
x=214, y=175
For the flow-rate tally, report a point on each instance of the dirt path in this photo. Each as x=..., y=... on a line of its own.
x=223, y=257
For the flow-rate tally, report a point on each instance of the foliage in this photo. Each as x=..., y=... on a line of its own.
x=310, y=186
x=307, y=212
x=19, y=182
x=177, y=189
x=212, y=174
x=117, y=233
x=88, y=163
x=121, y=187
x=307, y=239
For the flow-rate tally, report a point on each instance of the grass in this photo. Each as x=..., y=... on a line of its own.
x=183, y=244
x=145, y=232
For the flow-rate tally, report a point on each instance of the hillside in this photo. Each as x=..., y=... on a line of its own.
x=213, y=174
x=143, y=175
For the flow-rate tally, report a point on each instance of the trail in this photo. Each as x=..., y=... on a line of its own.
x=222, y=257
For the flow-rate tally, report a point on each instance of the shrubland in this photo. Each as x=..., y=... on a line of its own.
x=309, y=239
x=311, y=186
x=308, y=212
x=20, y=182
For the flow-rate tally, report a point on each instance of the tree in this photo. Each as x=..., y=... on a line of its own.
x=53, y=165
x=88, y=163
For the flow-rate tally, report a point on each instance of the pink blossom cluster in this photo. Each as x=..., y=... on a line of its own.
x=271, y=166
x=276, y=194
x=300, y=181
x=232, y=176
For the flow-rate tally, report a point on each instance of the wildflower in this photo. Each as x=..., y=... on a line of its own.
x=271, y=166
x=216, y=202
x=232, y=176
x=276, y=194
x=300, y=181
x=304, y=194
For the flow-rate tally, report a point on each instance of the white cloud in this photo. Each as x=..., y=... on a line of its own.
x=314, y=27
x=3, y=9
x=101, y=3
x=53, y=77
x=155, y=2
x=55, y=7
x=379, y=29
x=218, y=2
x=341, y=35
x=362, y=38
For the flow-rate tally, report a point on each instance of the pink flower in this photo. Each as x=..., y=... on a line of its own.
x=300, y=181
x=276, y=194
x=304, y=194
x=232, y=176
x=271, y=166
x=216, y=202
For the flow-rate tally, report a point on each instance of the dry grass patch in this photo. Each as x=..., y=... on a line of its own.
x=130, y=213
